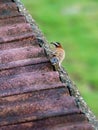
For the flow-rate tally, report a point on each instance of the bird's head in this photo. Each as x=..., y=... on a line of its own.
x=56, y=44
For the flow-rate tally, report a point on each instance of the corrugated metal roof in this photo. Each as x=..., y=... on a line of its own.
x=32, y=96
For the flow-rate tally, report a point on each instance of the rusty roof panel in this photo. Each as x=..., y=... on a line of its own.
x=25, y=62
x=80, y=126
x=8, y=10
x=20, y=54
x=36, y=105
x=30, y=81
x=16, y=38
x=12, y=20
x=5, y=1
x=16, y=44
x=12, y=6
x=14, y=30
x=42, y=67
x=54, y=123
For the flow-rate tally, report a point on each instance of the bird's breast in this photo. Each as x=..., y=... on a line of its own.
x=60, y=53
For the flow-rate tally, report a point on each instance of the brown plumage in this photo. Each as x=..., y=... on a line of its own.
x=59, y=52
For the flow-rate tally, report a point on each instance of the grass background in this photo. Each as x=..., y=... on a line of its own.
x=74, y=23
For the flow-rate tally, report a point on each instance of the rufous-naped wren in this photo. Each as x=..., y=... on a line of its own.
x=59, y=52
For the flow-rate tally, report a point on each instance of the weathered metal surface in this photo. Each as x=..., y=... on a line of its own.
x=5, y=1
x=32, y=96
x=25, y=62
x=74, y=122
x=20, y=54
x=8, y=9
x=35, y=106
x=16, y=38
x=15, y=31
x=42, y=67
x=16, y=44
x=30, y=81
x=12, y=20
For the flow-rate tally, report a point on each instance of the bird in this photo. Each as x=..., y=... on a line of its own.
x=58, y=52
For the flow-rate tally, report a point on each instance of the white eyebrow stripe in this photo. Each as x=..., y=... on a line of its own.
x=56, y=43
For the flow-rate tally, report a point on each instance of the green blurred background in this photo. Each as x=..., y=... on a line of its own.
x=74, y=23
